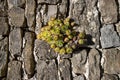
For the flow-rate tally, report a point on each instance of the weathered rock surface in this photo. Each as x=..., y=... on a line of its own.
x=3, y=8
x=94, y=65
x=30, y=13
x=108, y=10
x=64, y=68
x=16, y=16
x=109, y=37
x=80, y=77
x=47, y=1
x=109, y=77
x=14, y=71
x=78, y=61
x=15, y=42
x=118, y=28
x=112, y=61
x=29, y=62
x=43, y=51
x=86, y=15
x=16, y=3
x=3, y=56
x=47, y=70
x=63, y=9
x=3, y=26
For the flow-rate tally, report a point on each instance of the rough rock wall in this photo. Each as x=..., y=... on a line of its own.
x=23, y=57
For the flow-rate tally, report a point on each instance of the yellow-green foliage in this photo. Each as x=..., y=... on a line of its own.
x=61, y=36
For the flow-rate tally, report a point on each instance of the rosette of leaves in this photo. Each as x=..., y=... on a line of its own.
x=61, y=36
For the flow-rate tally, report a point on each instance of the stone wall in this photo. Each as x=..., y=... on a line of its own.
x=23, y=57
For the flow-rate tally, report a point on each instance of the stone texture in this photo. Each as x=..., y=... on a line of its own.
x=47, y=1
x=43, y=51
x=29, y=62
x=109, y=37
x=64, y=68
x=16, y=3
x=118, y=28
x=109, y=77
x=15, y=42
x=3, y=8
x=78, y=61
x=86, y=15
x=80, y=77
x=14, y=71
x=112, y=61
x=3, y=26
x=108, y=10
x=3, y=56
x=63, y=9
x=16, y=16
x=94, y=65
x=30, y=14
x=47, y=70
x=47, y=11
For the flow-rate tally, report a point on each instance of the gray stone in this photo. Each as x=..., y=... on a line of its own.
x=64, y=68
x=80, y=77
x=3, y=8
x=46, y=12
x=109, y=37
x=108, y=10
x=47, y=70
x=86, y=15
x=3, y=56
x=47, y=1
x=78, y=61
x=63, y=9
x=112, y=61
x=30, y=14
x=16, y=16
x=17, y=3
x=29, y=62
x=43, y=51
x=14, y=71
x=15, y=42
x=3, y=28
x=109, y=77
x=118, y=28
x=94, y=65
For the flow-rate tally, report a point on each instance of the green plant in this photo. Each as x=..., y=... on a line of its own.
x=61, y=36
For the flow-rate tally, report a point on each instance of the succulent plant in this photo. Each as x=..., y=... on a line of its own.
x=61, y=36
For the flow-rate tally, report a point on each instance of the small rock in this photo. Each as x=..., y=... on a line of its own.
x=64, y=68
x=3, y=26
x=63, y=9
x=94, y=65
x=109, y=37
x=80, y=77
x=15, y=42
x=47, y=1
x=28, y=56
x=16, y=16
x=46, y=12
x=14, y=71
x=118, y=28
x=16, y=3
x=109, y=77
x=3, y=56
x=41, y=49
x=108, y=10
x=112, y=61
x=30, y=14
x=78, y=61
x=3, y=8
x=47, y=70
